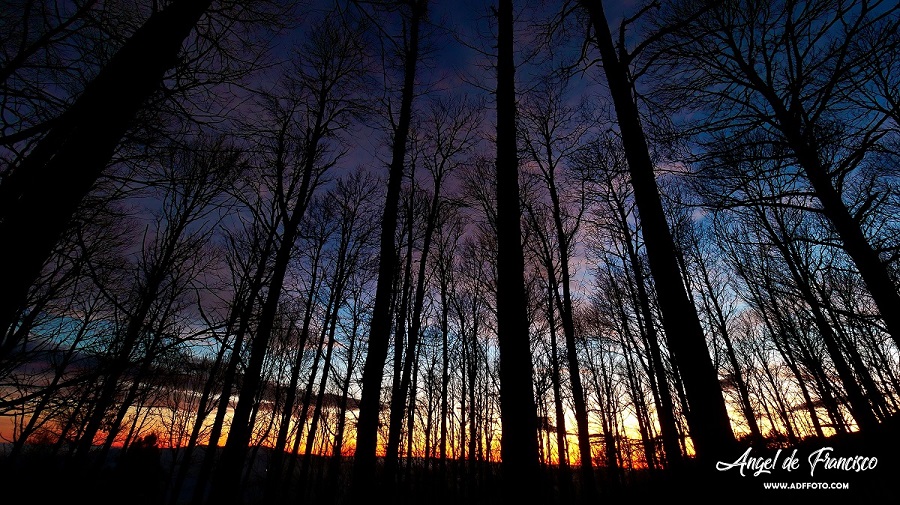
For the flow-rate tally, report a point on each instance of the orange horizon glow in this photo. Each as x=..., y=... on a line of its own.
x=158, y=420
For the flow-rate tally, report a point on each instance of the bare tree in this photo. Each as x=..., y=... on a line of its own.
x=190, y=182
x=449, y=134
x=551, y=134
x=792, y=76
x=325, y=98
x=370, y=401
x=710, y=426
x=85, y=135
x=521, y=463
x=614, y=208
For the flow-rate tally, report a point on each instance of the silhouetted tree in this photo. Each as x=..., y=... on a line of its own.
x=519, y=447
x=615, y=209
x=84, y=136
x=798, y=78
x=449, y=133
x=379, y=334
x=325, y=96
x=551, y=134
x=708, y=417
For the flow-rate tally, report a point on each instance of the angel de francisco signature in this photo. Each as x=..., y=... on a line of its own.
x=820, y=458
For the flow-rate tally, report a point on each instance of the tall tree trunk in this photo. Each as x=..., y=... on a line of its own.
x=203, y=411
x=779, y=333
x=472, y=370
x=846, y=344
x=400, y=344
x=640, y=406
x=564, y=304
x=401, y=304
x=665, y=410
x=859, y=406
x=337, y=296
x=445, y=363
x=84, y=136
x=241, y=316
x=519, y=451
x=554, y=304
x=780, y=403
x=411, y=415
x=334, y=466
x=464, y=385
x=317, y=408
x=717, y=314
x=226, y=479
x=604, y=396
x=287, y=483
x=562, y=450
x=379, y=335
x=708, y=418
x=871, y=268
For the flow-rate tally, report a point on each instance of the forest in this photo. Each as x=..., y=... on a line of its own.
x=452, y=252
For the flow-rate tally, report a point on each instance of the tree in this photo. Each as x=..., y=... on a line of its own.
x=614, y=206
x=550, y=136
x=85, y=135
x=519, y=447
x=326, y=100
x=192, y=181
x=449, y=134
x=379, y=334
x=711, y=294
x=708, y=417
x=351, y=203
x=799, y=78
